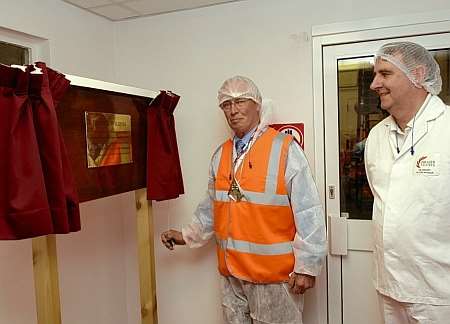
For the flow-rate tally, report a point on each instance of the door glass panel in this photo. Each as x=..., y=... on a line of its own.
x=442, y=56
x=359, y=111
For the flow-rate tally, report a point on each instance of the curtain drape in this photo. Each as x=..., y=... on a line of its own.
x=164, y=177
x=37, y=191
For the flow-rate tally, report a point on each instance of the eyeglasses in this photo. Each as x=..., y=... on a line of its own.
x=239, y=103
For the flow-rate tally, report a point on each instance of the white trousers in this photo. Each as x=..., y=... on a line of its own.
x=248, y=303
x=396, y=312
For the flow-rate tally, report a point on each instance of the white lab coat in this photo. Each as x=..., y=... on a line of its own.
x=411, y=211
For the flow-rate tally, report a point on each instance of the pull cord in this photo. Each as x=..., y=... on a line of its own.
x=412, y=138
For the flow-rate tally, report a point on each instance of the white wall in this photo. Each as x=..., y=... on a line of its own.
x=80, y=43
x=97, y=266
x=191, y=53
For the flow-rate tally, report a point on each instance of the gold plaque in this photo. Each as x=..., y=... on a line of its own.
x=108, y=139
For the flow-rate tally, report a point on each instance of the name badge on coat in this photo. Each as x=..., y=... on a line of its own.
x=427, y=164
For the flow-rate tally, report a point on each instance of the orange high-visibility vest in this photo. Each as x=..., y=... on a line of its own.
x=254, y=236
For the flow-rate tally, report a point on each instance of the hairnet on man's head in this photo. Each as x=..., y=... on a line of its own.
x=239, y=87
x=408, y=57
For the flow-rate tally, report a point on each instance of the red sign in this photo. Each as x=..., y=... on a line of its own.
x=296, y=130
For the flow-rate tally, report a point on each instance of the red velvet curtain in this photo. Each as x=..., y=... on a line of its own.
x=37, y=192
x=164, y=178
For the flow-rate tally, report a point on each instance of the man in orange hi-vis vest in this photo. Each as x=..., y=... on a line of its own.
x=264, y=211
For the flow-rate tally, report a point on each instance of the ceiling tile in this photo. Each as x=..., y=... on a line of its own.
x=146, y=7
x=89, y=3
x=122, y=9
x=114, y=12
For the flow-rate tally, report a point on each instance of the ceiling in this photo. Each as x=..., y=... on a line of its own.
x=124, y=9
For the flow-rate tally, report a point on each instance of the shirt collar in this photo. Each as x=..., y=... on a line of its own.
x=246, y=138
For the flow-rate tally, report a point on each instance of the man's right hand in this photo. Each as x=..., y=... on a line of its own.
x=171, y=238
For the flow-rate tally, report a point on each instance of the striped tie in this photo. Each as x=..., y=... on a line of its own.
x=239, y=147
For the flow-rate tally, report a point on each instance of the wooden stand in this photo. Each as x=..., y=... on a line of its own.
x=46, y=284
x=87, y=95
x=146, y=255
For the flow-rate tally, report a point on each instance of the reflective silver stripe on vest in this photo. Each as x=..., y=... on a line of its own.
x=274, y=164
x=259, y=198
x=215, y=161
x=255, y=248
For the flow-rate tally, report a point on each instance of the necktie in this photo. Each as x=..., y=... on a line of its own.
x=239, y=147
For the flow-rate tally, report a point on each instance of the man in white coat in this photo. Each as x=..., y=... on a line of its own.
x=407, y=157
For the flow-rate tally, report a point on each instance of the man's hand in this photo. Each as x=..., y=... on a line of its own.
x=171, y=238
x=299, y=283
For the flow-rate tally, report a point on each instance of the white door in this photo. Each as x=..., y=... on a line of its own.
x=350, y=110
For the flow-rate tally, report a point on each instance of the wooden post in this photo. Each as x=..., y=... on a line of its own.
x=146, y=255
x=46, y=284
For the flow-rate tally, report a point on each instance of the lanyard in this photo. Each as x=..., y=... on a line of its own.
x=235, y=192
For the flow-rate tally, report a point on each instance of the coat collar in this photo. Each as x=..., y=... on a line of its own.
x=432, y=108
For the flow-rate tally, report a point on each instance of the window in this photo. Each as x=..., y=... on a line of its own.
x=14, y=54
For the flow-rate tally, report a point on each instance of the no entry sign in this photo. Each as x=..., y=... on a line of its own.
x=295, y=129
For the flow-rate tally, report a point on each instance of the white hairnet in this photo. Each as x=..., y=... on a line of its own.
x=265, y=115
x=408, y=57
x=239, y=87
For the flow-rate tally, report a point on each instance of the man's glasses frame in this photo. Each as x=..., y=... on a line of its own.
x=239, y=103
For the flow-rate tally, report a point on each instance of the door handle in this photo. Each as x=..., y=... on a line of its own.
x=337, y=234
